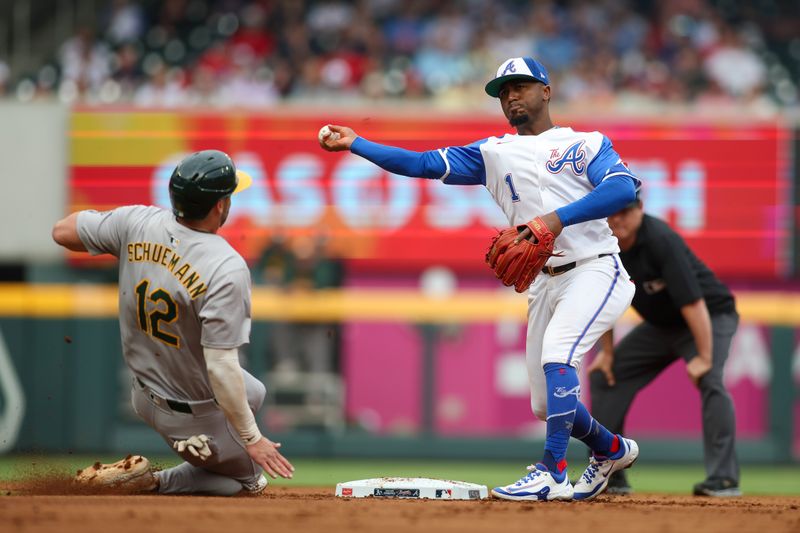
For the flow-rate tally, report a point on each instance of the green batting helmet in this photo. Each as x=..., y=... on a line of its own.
x=201, y=180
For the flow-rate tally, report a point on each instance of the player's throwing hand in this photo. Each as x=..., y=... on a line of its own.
x=328, y=140
x=266, y=454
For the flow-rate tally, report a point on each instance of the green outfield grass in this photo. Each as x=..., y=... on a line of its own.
x=675, y=479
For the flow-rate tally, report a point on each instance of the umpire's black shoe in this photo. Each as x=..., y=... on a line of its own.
x=719, y=488
x=618, y=484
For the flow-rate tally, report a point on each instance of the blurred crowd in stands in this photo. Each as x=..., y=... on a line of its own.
x=299, y=264
x=258, y=53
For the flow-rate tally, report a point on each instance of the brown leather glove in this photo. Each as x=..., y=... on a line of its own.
x=517, y=261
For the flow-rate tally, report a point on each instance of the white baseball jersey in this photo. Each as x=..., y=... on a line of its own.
x=179, y=290
x=530, y=175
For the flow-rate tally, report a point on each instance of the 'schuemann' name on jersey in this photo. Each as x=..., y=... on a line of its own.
x=159, y=254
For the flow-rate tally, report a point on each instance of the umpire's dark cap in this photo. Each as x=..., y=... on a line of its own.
x=517, y=68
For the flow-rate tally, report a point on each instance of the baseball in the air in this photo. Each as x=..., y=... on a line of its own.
x=324, y=132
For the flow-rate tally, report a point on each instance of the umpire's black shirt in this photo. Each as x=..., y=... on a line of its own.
x=669, y=276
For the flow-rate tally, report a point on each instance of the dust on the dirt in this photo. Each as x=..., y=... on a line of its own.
x=54, y=485
x=40, y=479
x=55, y=504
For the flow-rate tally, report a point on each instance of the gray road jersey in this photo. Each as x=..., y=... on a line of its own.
x=179, y=290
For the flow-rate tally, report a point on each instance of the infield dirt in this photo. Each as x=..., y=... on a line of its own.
x=42, y=509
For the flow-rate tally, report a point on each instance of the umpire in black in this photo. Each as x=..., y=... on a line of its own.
x=687, y=313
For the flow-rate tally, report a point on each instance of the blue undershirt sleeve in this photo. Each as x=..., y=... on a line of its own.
x=460, y=165
x=611, y=195
x=428, y=164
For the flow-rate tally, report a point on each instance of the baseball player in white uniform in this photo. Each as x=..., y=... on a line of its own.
x=572, y=180
x=184, y=310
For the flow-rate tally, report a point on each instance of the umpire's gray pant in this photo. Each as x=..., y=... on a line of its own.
x=228, y=469
x=643, y=354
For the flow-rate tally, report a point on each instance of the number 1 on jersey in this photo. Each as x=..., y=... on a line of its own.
x=510, y=183
x=148, y=322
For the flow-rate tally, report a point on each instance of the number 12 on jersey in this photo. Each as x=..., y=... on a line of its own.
x=510, y=183
x=149, y=322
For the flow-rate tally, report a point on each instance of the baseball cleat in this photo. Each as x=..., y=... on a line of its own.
x=537, y=485
x=133, y=474
x=595, y=478
x=718, y=488
x=257, y=486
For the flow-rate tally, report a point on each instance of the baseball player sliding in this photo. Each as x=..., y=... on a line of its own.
x=556, y=186
x=184, y=310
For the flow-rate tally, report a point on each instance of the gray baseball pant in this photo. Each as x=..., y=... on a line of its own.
x=229, y=467
x=643, y=354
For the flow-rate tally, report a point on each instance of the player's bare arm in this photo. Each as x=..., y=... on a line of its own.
x=336, y=138
x=65, y=233
x=225, y=376
x=699, y=322
x=604, y=360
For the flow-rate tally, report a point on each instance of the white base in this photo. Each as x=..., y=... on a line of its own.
x=412, y=488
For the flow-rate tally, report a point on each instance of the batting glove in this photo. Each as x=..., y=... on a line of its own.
x=197, y=446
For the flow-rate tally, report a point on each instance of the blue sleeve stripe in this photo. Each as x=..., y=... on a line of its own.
x=443, y=153
x=619, y=174
x=621, y=170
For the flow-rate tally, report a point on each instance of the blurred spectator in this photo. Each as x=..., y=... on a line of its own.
x=204, y=87
x=128, y=70
x=125, y=22
x=85, y=62
x=253, y=41
x=257, y=53
x=556, y=44
x=303, y=265
x=275, y=266
x=734, y=67
x=248, y=86
x=329, y=18
x=403, y=31
x=165, y=88
x=315, y=268
x=216, y=59
x=309, y=345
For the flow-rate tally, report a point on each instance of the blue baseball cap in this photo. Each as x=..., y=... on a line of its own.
x=517, y=68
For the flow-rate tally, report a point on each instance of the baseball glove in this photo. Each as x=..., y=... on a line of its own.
x=518, y=263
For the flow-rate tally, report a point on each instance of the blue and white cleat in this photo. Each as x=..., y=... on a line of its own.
x=595, y=478
x=537, y=485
